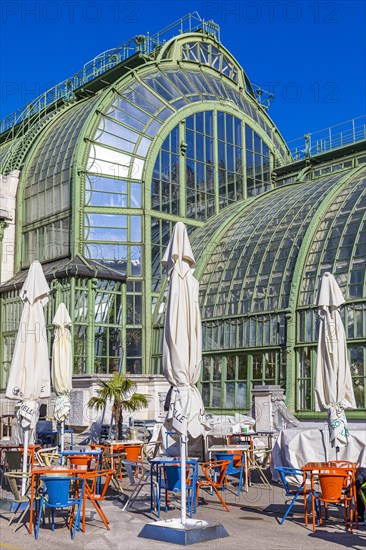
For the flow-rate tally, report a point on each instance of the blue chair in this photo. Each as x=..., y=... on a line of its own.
x=236, y=465
x=172, y=482
x=56, y=495
x=290, y=491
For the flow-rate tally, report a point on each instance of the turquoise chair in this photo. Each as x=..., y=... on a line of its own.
x=172, y=483
x=58, y=493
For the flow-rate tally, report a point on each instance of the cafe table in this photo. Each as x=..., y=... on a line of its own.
x=312, y=469
x=242, y=448
x=158, y=463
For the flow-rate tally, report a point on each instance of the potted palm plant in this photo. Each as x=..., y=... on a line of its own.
x=120, y=391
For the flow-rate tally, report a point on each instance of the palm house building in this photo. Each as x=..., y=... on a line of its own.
x=167, y=128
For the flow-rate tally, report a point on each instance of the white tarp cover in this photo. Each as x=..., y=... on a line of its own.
x=182, y=348
x=62, y=363
x=333, y=381
x=297, y=446
x=29, y=377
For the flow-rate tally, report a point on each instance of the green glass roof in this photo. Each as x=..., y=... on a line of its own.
x=339, y=244
x=51, y=163
x=250, y=265
x=3, y=151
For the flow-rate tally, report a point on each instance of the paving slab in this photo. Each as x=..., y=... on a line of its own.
x=252, y=523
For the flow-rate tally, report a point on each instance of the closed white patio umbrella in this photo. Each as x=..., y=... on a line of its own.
x=29, y=377
x=182, y=348
x=333, y=381
x=62, y=367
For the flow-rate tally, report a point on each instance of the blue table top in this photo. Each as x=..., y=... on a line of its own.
x=81, y=452
x=169, y=459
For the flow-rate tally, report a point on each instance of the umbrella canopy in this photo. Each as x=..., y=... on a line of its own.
x=62, y=363
x=182, y=348
x=29, y=377
x=333, y=382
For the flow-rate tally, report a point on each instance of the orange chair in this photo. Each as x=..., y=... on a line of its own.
x=215, y=474
x=332, y=484
x=94, y=494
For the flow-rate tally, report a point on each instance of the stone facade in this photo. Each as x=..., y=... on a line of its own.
x=8, y=190
x=85, y=386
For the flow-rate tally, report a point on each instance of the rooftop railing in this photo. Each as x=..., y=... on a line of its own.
x=144, y=44
x=342, y=134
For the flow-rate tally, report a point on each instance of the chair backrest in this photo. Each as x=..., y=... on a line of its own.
x=173, y=476
x=218, y=467
x=133, y=452
x=80, y=460
x=91, y=484
x=137, y=470
x=47, y=456
x=286, y=472
x=341, y=464
x=236, y=460
x=14, y=459
x=332, y=484
x=15, y=479
x=58, y=489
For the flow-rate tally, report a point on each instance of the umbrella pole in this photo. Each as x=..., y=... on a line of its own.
x=25, y=461
x=183, y=456
x=62, y=439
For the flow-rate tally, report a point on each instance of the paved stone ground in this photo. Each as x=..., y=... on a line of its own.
x=253, y=523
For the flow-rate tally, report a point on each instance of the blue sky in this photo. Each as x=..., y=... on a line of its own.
x=310, y=53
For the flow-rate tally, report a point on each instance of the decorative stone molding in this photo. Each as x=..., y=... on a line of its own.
x=269, y=409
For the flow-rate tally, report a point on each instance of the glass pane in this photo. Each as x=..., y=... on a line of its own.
x=206, y=368
x=216, y=395
x=136, y=228
x=230, y=368
x=206, y=394
x=230, y=395
x=135, y=195
x=217, y=369
x=257, y=367
x=241, y=397
x=243, y=367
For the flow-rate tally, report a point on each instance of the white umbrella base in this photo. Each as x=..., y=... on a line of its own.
x=191, y=532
